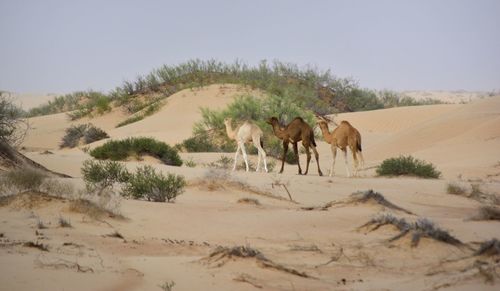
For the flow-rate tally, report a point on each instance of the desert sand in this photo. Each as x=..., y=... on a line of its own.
x=317, y=249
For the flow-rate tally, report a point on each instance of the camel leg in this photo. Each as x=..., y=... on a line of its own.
x=236, y=157
x=258, y=160
x=356, y=163
x=245, y=157
x=334, y=157
x=316, y=155
x=308, y=155
x=361, y=160
x=296, y=151
x=285, y=150
x=263, y=154
x=346, y=163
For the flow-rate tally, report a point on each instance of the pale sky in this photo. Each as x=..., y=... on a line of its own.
x=64, y=46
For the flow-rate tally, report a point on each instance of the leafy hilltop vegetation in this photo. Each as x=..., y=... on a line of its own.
x=318, y=91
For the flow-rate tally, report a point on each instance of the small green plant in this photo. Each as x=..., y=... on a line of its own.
x=190, y=163
x=148, y=184
x=454, y=188
x=121, y=149
x=167, y=286
x=407, y=165
x=223, y=162
x=101, y=175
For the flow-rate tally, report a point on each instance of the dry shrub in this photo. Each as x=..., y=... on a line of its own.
x=454, y=188
x=489, y=248
x=248, y=201
x=64, y=222
x=487, y=213
x=423, y=227
x=368, y=196
x=94, y=210
x=220, y=255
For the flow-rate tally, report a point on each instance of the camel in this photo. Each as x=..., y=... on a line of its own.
x=345, y=135
x=245, y=133
x=297, y=130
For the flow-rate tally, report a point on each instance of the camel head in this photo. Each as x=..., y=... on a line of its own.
x=321, y=119
x=272, y=120
x=228, y=120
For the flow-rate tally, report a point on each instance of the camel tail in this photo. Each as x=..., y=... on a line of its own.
x=358, y=145
x=313, y=141
x=261, y=143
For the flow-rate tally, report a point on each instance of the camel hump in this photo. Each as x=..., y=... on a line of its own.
x=345, y=122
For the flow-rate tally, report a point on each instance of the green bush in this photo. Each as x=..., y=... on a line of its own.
x=148, y=184
x=407, y=165
x=117, y=150
x=75, y=133
x=101, y=175
x=93, y=134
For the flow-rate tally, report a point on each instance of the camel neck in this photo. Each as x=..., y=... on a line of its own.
x=324, y=129
x=277, y=130
x=230, y=132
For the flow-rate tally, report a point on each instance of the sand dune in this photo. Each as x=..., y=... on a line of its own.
x=164, y=242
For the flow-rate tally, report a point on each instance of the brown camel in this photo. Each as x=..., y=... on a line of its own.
x=345, y=135
x=297, y=130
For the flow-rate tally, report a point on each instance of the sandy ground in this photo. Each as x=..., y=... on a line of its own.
x=317, y=250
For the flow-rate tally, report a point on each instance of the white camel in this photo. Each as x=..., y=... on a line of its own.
x=245, y=133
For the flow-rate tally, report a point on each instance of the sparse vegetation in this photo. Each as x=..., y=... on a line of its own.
x=423, y=227
x=368, y=196
x=94, y=210
x=487, y=212
x=23, y=180
x=190, y=163
x=87, y=133
x=489, y=248
x=407, y=165
x=167, y=286
x=454, y=188
x=121, y=149
x=64, y=222
x=148, y=184
x=252, y=201
x=222, y=254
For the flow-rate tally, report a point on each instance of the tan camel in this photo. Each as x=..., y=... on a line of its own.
x=244, y=133
x=297, y=130
x=345, y=135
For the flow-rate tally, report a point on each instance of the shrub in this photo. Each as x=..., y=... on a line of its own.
x=12, y=126
x=407, y=166
x=73, y=135
x=121, y=149
x=94, y=134
x=100, y=175
x=88, y=132
x=24, y=179
x=147, y=184
x=456, y=189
